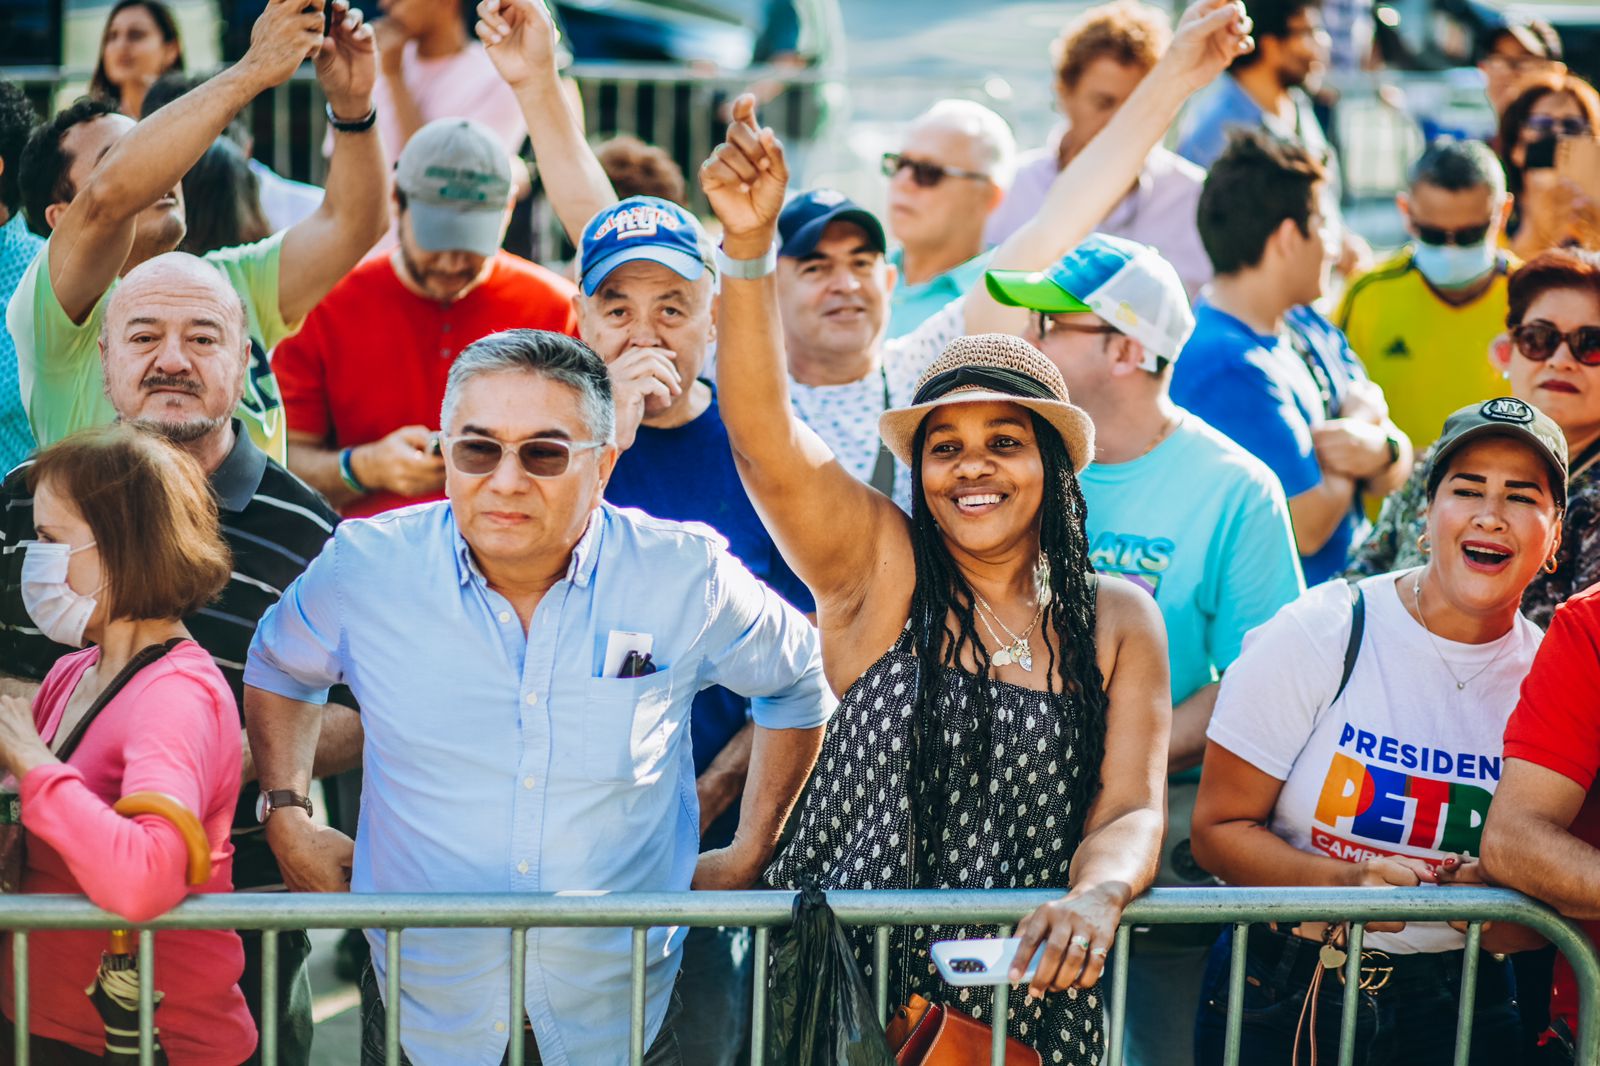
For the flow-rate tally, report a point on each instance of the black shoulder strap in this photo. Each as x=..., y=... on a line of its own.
x=142, y=659
x=1352, y=648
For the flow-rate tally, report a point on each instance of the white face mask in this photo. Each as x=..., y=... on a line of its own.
x=61, y=612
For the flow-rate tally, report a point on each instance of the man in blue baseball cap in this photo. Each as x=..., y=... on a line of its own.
x=1179, y=510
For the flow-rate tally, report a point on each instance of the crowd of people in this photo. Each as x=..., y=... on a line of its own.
x=1104, y=516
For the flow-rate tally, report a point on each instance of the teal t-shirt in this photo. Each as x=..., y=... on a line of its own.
x=1203, y=526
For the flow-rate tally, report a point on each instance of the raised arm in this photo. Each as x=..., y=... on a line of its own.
x=322, y=248
x=93, y=235
x=520, y=37
x=832, y=529
x=1211, y=34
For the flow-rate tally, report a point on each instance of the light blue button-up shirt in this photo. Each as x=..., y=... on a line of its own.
x=502, y=762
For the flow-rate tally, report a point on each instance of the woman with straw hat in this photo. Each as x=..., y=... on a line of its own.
x=1004, y=718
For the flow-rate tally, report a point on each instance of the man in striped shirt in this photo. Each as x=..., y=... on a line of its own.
x=175, y=350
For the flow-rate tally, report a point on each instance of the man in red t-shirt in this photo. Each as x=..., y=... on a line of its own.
x=1542, y=836
x=363, y=381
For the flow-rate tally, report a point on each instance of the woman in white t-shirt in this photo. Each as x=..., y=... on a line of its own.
x=1356, y=741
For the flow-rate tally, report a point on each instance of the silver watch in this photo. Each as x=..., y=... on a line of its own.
x=747, y=269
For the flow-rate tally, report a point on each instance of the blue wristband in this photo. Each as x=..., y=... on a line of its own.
x=347, y=473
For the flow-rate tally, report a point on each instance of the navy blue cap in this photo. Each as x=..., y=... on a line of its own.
x=804, y=218
x=647, y=228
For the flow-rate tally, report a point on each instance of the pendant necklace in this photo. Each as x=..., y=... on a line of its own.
x=1416, y=598
x=1017, y=650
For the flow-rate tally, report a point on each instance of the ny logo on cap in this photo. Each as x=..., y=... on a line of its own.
x=827, y=197
x=639, y=220
x=1507, y=409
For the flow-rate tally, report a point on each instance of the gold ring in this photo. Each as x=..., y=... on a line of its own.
x=1100, y=953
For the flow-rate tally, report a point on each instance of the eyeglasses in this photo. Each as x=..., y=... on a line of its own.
x=1538, y=340
x=924, y=173
x=1048, y=324
x=541, y=457
x=1461, y=238
x=1538, y=127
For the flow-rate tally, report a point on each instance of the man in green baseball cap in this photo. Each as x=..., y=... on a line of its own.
x=1179, y=510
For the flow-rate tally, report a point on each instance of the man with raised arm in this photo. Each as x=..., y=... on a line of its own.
x=107, y=193
x=834, y=282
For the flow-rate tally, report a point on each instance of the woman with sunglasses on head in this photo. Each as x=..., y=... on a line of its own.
x=1550, y=357
x=1549, y=210
x=1356, y=741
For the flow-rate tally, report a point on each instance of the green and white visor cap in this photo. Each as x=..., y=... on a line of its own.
x=1124, y=282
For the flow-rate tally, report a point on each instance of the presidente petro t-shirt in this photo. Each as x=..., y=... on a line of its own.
x=1430, y=356
x=58, y=360
x=1404, y=762
x=1201, y=525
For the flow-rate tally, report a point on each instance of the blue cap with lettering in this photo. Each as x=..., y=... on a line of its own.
x=643, y=228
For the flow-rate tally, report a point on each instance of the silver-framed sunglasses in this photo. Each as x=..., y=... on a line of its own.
x=541, y=457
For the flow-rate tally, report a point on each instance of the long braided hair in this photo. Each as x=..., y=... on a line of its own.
x=941, y=592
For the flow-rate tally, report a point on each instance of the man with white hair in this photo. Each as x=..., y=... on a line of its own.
x=175, y=347
x=949, y=176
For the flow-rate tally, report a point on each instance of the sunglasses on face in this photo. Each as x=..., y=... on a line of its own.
x=1048, y=324
x=1466, y=235
x=541, y=457
x=923, y=173
x=1539, y=127
x=1538, y=340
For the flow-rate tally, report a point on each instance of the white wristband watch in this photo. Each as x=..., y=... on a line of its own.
x=747, y=269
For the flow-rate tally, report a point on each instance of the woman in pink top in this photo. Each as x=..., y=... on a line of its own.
x=128, y=545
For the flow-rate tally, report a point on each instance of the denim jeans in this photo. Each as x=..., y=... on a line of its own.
x=664, y=1052
x=714, y=983
x=1163, y=978
x=1410, y=1021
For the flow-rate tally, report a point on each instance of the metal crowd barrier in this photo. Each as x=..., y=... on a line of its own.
x=762, y=911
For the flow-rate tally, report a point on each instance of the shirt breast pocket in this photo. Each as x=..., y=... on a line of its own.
x=627, y=727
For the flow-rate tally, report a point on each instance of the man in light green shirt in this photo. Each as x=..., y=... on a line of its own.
x=107, y=192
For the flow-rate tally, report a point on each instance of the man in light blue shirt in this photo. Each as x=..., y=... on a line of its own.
x=514, y=742
x=18, y=246
x=1179, y=510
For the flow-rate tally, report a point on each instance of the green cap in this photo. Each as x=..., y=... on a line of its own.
x=1503, y=417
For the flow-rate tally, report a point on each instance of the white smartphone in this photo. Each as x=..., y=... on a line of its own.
x=981, y=962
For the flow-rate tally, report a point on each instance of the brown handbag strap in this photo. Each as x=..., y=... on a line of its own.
x=143, y=658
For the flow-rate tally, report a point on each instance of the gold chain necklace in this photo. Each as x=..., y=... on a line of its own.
x=1416, y=598
x=1018, y=650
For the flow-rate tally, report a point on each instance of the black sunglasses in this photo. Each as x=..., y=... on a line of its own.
x=1466, y=235
x=1540, y=126
x=1538, y=340
x=924, y=173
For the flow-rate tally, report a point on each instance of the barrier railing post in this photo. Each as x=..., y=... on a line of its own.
x=391, y=981
x=1002, y=1015
x=1469, y=993
x=1118, y=1007
x=1352, y=995
x=147, y=998
x=636, y=999
x=1236, y=963
x=880, y=972
x=758, y=1002
x=19, y=983
x=519, y=977
x=269, y=997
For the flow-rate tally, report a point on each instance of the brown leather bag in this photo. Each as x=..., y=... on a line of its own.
x=928, y=1034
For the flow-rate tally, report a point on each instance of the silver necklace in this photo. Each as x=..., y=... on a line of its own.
x=1416, y=598
x=1017, y=650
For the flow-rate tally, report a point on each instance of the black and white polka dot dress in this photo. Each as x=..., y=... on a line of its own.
x=1010, y=827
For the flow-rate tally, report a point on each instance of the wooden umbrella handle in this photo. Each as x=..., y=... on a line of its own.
x=182, y=819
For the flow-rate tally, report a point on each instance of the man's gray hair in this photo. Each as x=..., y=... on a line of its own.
x=552, y=355
x=1456, y=166
x=997, y=147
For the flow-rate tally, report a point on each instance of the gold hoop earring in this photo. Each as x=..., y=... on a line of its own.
x=1422, y=544
x=1550, y=565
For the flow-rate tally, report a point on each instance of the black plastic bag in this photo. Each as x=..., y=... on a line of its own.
x=819, y=1012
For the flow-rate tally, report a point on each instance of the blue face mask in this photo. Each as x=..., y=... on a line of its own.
x=1448, y=266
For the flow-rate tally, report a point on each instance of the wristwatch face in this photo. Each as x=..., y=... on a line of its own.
x=262, y=810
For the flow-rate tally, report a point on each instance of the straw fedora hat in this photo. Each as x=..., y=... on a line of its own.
x=990, y=368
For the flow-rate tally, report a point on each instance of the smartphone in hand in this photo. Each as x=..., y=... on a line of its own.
x=981, y=962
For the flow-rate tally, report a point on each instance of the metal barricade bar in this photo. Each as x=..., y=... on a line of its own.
x=880, y=910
